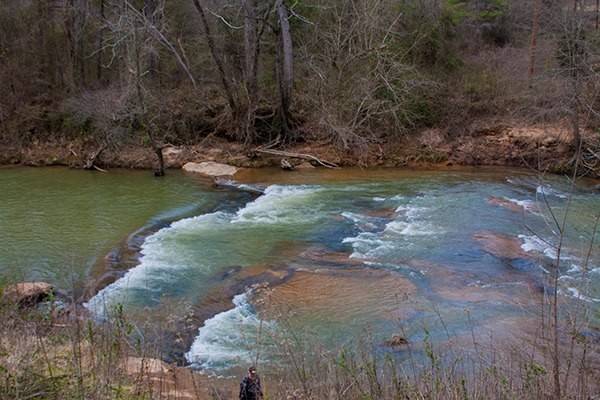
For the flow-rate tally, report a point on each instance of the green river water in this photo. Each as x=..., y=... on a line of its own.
x=436, y=253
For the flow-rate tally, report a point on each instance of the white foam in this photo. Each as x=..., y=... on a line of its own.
x=535, y=244
x=574, y=292
x=280, y=204
x=367, y=245
x=379, y=199
x=362, y=221
x=549, y=191
x=259, y=189
x=227, y=338
x=528, y=205
x=410, y=228
x=160, y=256
x=414, y=225
x=574, y=269
x=410, y=223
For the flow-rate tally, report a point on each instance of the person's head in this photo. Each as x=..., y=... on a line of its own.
x=252, y=372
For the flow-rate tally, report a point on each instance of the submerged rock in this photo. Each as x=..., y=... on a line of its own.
x=500, y=245
x=396, y=341
x=340, y=297
x=27, y=293
x=211, y=169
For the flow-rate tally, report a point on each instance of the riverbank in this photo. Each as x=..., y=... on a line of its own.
x=53, y=352
x=488, y=143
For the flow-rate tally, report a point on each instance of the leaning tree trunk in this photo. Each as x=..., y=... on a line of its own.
x=285, y=67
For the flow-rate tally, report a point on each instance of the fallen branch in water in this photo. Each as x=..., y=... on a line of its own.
x=97, y=168
x=326, y=164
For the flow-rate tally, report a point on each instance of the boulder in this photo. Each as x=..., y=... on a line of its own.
x=210, y=168
x=172, y=155
x=501, y=246
x=27, y=293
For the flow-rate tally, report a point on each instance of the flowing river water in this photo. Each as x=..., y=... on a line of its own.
x=329, y=256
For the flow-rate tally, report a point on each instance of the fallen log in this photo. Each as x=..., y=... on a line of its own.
x=326, y=164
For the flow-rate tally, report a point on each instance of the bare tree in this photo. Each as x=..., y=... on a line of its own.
x=535, y=24
x=227, y=87
x=285, y=67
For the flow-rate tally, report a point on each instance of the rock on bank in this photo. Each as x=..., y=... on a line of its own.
x=211, y=169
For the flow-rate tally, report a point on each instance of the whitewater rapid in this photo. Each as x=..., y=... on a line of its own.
x=424, y=223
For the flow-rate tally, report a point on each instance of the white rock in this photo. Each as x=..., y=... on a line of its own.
x=210, y=168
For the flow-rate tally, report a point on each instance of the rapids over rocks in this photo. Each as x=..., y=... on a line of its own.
x=329, y=256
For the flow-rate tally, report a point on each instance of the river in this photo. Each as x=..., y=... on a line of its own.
x=426, y=255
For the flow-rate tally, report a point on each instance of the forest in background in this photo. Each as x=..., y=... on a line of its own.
x=352, y=73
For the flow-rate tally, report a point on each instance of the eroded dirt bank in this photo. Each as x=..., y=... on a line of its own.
x=546, y=148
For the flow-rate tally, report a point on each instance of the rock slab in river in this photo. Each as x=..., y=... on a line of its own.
x=27, y=293
x=210, y=168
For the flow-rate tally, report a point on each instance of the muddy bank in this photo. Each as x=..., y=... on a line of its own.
x=546, y=148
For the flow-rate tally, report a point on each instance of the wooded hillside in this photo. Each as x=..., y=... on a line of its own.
x=354, y=73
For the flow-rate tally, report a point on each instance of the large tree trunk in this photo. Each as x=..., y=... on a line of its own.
x=142, y=112
x=100, y=54
x=534, y=32
x=216, y=58
x=285, y=67
x=251, y=58
x=74, y=26
x=151, y=12
x=597, y=14
x=69, y=27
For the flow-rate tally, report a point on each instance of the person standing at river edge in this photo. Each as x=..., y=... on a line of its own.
x=250, y=388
